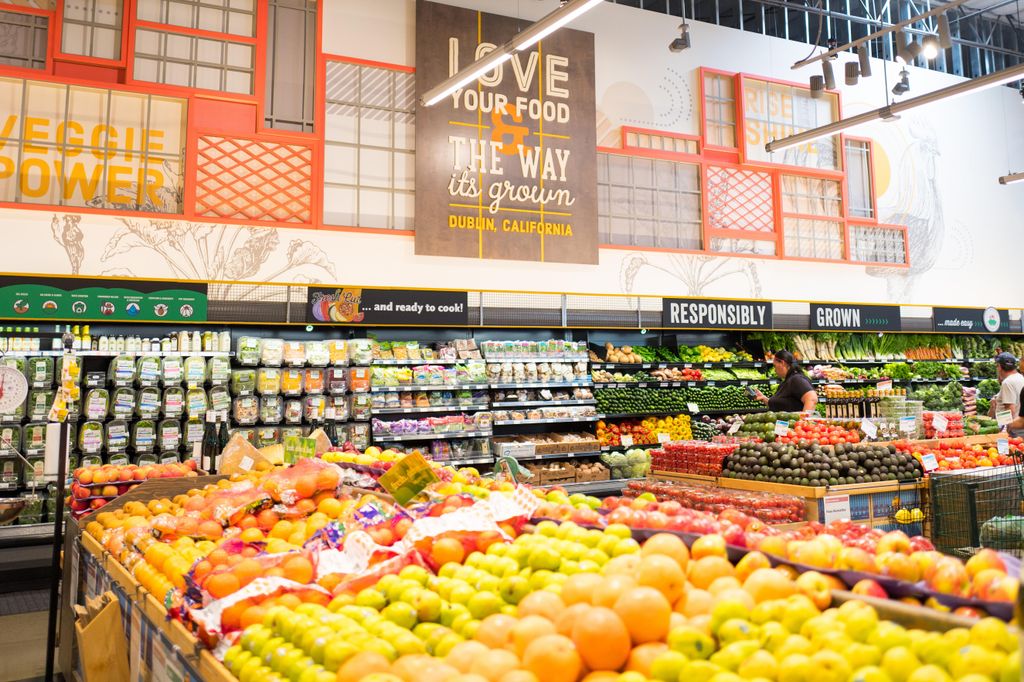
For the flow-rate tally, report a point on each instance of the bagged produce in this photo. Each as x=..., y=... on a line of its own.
x=39, y=403
x=220, y=399
x=248, y=351
x=40, y=372
x=169, y=435
x=219, y=370
x=148, y=370
x=243, y=381
x=196, y=402
x=10, y=438
x=97, y=403
x=123, y=402
x=122, y=370
x=172, y=370
x=148, y=402
x=144, y=435
x=117, y=435
x=195, y=371
x=34, y=437
x=174, y=401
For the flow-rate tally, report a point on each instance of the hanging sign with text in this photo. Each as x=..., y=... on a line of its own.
x=704, y=313
x=871, y=318
x=976, y=320
x=506, y=167
x=388, y=306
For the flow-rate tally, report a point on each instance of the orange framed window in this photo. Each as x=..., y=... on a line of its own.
x=26, y=36
x=871, y=243
x=860, y=182
x=812, y=217
x=92, y=28
x=659, y=143
x=369, y=143
x=91, y=147
x=719, y=91
x=740, y=210
x=202, y=44
x=648, y=202
x=773, y=110
x=292, y=41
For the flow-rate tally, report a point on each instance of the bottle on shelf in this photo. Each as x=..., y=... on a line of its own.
x=331, y=426
x=86, y=341
x=183, y=342
x=77, y=333
x=210, y=450
x=104, y=344
x=222, y=434
x=197, y=343
x=165, y=345
x=224, y=342
x=121, y=345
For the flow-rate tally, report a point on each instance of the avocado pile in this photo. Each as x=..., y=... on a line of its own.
x=815, y=465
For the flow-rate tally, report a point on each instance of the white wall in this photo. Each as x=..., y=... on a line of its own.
x=938, y=168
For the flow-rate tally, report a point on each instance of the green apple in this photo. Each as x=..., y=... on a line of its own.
x=862, y=655
x=446, y=644
x=794, y=644
x=460, y=593
x=898, y=662
x=592, y=537
x=382, y=647
x=446, y=571
x=488, y=583
x=619, y=530
x=759, y=664
x=799, y=609
x=737, y=630
x=254, y=636
x=870, y=673
x=608, y=543
x=268, y=648
x=483, y=604
x=975, y=658
x=667, y=666
x=795, y=668
x=336, y=652
x=544, y=558
x=1011, y=668
x=313, y=674
x=767, y=611
x=498, y=549
x=407, y=644
x=632, y=676
x=625, y=546
x=595, y=556
x=469, y=628
x=237, y=661
x=727, y=609
x=314, y=641
x=295, y=665
x=416, y=573
x=371, y=598
x=513, y=588
x=929, y=673
x=698, y=671
x=957, y=637
x=282, y=655
x=730, y=656
x=888, y=635
x=427, y=605
x=540, y=578
x=547, y=529
x=992, y=634
x=773, y=635
x=250, y=669
x=564, y=529
x=459, y=622
x=425, y=630
x=357, y=613
x=400, y=613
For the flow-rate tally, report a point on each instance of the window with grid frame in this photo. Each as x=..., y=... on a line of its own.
x=163, y=55
x=812, y=210
x=648, y=202
x=773, y=111
x=93, y=147
x=859, y=183
x=23, y=40
x=878, y=244
x=719, y=110
x=291, y=65
x=369, y=146
x=660, y=143
x=92, y=28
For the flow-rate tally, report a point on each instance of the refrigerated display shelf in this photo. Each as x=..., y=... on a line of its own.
x=543, y=403
x=552, y=420
x=386, y=438
x=426, y=387
x=432, y=408
x=542, y=384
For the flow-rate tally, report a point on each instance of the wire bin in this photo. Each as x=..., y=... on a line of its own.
x=976, y=508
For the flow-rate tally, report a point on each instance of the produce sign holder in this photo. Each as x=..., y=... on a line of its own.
x=182, y=649
x=906, y=615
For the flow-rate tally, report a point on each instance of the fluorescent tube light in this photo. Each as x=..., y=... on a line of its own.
x=551, y=23
x=1011, y=178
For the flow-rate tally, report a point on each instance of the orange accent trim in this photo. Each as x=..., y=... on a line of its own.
x=22, y=9
x=367, y=62
x=197, y=32
x=659, y=133
x=259, y=62
x=652, y=154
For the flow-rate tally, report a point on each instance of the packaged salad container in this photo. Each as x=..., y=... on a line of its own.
x=268, y=380
x=95, y=379
x=34, y=435
x=193, y=432
x=359, y=434
x=40, y=372
x=39, y=403
x=10, y=438
x=122, y=370
x=97, y=403
x=248, y=351
x=248, y=434
x=174, y=401
x=267, y=435
x=123, y=402
x=292, y=381
x=336, y=380
x=195, y=371
x=315, y=380
x=337, y=351
x=218, y=370
x=271, y=352
x=117, y=435
x=144, y=435
x=120, y=458
x=287, y=431
x=361, y=406
x=91, y=459
x=246, y=409
x=360, y=351
x=90, y=437
x=173, y=370
x=220, y=398
x=10, y=473
x=34, y=472
x=340, y=405
x=271, y=409
x=313, y=407
x=145, y=459
x=294, y=353
x=147, y=403
x=243, y=381
x=196, y=402
x=317, y=353
x=293, y=411
x=169, y=435
x=148, y=370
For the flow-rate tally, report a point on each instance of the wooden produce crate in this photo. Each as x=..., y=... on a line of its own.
x=590, y=474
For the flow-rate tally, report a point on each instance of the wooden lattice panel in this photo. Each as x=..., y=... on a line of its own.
x=740, y=199
x=254, y=180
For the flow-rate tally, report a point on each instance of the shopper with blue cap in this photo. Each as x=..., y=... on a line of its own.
x=1011, y=384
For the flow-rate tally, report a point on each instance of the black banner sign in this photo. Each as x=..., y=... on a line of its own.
x=976, y=320
x=388, y=306
x=690, y=313
x=869, y=318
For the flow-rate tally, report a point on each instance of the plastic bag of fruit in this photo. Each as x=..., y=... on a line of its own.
x=304, y=479
x=227, y=505
x=384, y=522
x=234, y=564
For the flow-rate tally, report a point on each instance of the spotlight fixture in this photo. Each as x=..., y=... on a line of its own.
x=829, y=75
x=864, y=57
x=683, y=41
x=930, y=47
x=832, y=43
x=817, y=86
x=1022, y=91
x=913, y=49
x=852, y=73
x=1011, y=178
x=903, y=86
x=900, y=40
x=945, y=37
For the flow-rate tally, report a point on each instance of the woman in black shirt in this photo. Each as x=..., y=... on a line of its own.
x=795, y=393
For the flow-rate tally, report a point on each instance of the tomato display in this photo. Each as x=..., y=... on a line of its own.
x=820, y=433
x=954, y=454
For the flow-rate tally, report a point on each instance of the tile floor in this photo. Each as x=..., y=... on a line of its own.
x=23, y=646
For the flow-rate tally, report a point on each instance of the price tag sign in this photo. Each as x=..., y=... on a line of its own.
x=693, y=407
x=1003, y=446
x=663, y=437
x=869, y=428
x=908, y=424
x=296, y=447
x=408, y=477
x=1004, y=417
x=884, y=385
x=626, y=441
x=837, y=507
x=940, y=423
x=736, y=426
x=781, y=427
x=929, y=463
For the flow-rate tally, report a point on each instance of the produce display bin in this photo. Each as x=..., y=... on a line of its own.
x=974, y=508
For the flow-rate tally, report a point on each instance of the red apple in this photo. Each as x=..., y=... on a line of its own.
x=816, y=587
x=968, y=612
x=893, y=541
x=985, y=559
x=96, y=504
x=919, y=543
x=869, y=588
x=125, y=474
x=1002, y=589
x=927, y=562
x=984, y=578
x=951, y=578
x=84, y=476
x=899, y=566
x=856, y=559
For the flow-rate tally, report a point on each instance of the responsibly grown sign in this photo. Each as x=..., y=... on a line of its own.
x=388, y=306
x=872, y=318
x=69, y=298
x=506, y=167
x=701, y=313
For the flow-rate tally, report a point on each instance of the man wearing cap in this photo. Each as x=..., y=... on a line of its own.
x=1011, y=383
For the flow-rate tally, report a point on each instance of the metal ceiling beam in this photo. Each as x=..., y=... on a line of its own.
x=986, y=10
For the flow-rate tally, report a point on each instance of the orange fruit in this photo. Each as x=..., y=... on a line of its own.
x=289, y=600
x=253, y=615
x=217, y=557
x=612, y=588
x=447, y=550
x=246, y=522
x=463, y=654
x=567, y=619
x=305, y=485
x=668, y=545
x=528, y=629
x=231, y=617
x=281, y=530
x=580, y=588
x=251, y=535
x=724, y=584
x=266, y=519
x=663, y=574
x=210, y=530
x=222, y=584
x=622, y=565
x=601, y=676
x=518, y=676
x=328, y=478
x=602, y=639
x=541, y=603
x=641, y=658
x=331, y=507
x=201, y=570
x=767, y=583
x=708, y=545
x=494, y=663
x=646, y=613
x=553, y=658
x=363, y=664
x=298, y=568
x=705, y=570
x=247, y=570
x=750, y=562
x=495, y=631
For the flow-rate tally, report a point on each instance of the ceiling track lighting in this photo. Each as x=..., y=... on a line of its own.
x=930, y=47
x=903, y=86
x=533, y=34
x=1008, y=75
x=852, y=73
x=683, y=41
x=945, y=37
x=864, y=58
x=817, y=86
x=1011, y=178
x=900, y=40
x=829, y=75
x=1022, y=91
